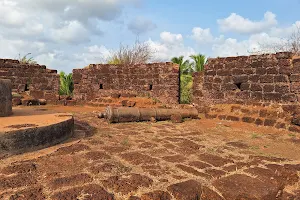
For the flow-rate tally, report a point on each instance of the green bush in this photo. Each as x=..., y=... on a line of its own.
x=186, y=84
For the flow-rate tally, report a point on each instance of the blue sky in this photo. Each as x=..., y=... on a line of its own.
x=67, y=34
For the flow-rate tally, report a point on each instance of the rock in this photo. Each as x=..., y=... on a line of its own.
x=16, y=101
x=127, y=103
x=240, y=186
x=187, y=190
x=296, y=120
x=156, y=195
x=128, y=95
x=115, y=95
x=30, y=102
x=42, y=101
x=127, y=183
x=192, y=189
x=152, y=119
x=134, y=198
x=176, y=118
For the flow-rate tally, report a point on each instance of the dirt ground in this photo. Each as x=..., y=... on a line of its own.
x=198, y=159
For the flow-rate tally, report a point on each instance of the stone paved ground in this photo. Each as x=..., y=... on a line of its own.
x=198, y=159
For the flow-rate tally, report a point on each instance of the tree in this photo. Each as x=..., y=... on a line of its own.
x=25, y=60
x=289, y=44
x=199, y=62
x=66, y=84
x=184, y=66
x=139, y=53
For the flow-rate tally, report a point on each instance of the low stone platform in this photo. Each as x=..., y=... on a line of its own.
x=28, y=130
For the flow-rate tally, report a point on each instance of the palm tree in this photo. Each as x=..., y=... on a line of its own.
x=184, y=66
x=66, y=84
x=199, y=62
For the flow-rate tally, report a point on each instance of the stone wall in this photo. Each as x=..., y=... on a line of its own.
x=40, y=82
x=271, y=78
x=5, y=98
x=157, y=80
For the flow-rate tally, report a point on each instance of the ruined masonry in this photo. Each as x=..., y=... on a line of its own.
x=40, y=82
x=260, y=89
x=157, y=80
x=5, y=98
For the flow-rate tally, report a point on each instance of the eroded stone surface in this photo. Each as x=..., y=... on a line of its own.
x=158, y=161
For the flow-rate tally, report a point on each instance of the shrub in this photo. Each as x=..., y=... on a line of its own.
x=186, y=84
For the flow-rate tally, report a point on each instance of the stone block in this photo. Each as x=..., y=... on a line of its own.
x=224, y=72
x=261, y=71
x=256, y=87
x=248, y=119
x=269, y=122
x=240, y=79
x=254, y=78
x=232, y=118
x=268, y=88
x=267, y=79
x=281, y=78
x=272, y=96
x=5, y=97
x=282, y=88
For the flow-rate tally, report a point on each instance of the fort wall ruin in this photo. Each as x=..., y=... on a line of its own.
x=257, y=78
x=40, y=82
x=260, y=89
x=156, y=80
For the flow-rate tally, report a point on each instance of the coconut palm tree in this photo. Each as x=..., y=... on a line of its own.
x=66, y=84
x=199, y=62
x=184, y=66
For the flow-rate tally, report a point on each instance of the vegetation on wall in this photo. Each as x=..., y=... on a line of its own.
x=66, y=84
x=25, y=60
x=186, y=70
x=139, y=53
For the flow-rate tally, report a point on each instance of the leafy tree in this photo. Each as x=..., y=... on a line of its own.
x=199, y=62
x=26, y=60
x=66, y=84
x=184, y=66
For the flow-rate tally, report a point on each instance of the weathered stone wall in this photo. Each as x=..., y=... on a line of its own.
x=158, y=80
x=271, y=78
x=5, y=98
x=42, y=83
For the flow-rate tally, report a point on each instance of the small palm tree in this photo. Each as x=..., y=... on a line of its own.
x=184, y=66
x=66, y=84
x=199, y=62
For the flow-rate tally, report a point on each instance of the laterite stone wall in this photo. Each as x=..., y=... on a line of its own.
x=5, y=98
x=268, y=78
x=157, y=80
x=40, y=82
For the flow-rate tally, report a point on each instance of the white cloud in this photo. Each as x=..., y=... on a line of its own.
x=170, y=45
x=239, y=24
x=202, y=36
x=70, y=21
x=72, y=32
x=170, y=38
x=141, y=25
x=11, y=14
x=256, y=43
